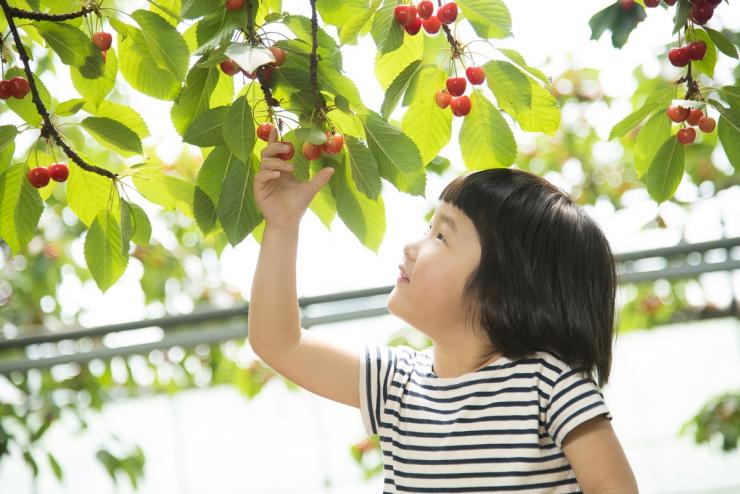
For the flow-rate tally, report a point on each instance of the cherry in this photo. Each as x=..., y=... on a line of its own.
x=333, y=144
x=694, y=115
x=701, y=13
x=102, y=40
x=287, y=154
x=627, y=4
x=39, y=177
x=263, y=130
x=460, y=106
x=697, y=50
x=442, y=98
x=404, y=14
x=476, y=75
x=686, y=136
x=447, y=13
x=229, y=67
x=5, y=91
x=58, y=172
x=279, y=55
x=266, y=71
x=431, y=24
x=679, y=57
x=707, y=124
x=19, y=87
x=678, y=113
x=670, y=2
x=413, y=27
x=234, y=4
x=425, y=9
x=311, y=151
x=456, y=85
x=651, y=3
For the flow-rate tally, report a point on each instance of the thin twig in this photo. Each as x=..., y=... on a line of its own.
x=318, y=98
x=39, y=16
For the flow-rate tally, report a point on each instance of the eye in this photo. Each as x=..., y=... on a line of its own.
x=438, y=235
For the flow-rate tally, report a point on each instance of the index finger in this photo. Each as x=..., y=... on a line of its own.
x=273, y=135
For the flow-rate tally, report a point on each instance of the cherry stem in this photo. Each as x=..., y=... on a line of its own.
x=47, y=129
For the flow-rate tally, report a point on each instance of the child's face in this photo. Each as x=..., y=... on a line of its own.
x=437, y=265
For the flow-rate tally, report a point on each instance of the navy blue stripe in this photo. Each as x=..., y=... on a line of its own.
x=561, y=392
x=524, y=361
x=540, y=485
x=478, y=394
x=410, y=406
x=472, y=382
x=387, y=373
x=575, y=414
x=461, y=420
x=466, y=447
x=472, y=475
x=570, y=402
x=368, y=370
x=467, y=461
x=491, y=432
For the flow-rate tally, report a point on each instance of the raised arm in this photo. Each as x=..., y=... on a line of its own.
x=311, y=361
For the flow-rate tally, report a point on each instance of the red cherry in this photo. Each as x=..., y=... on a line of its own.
x=686, y=135
x=102, y=40
x=263, y=130
x=679, y=57
x=447, y=13
x=19, y=87
x=456, y=85
x=334, y=143
x=651, y=3
x=266, y=73
x=234, y=4
x=39, y=177
x=229, y=67
x=279, y=55
x=5, y=91
x=425, y=9
x=694, y=115
x=627, y=4
x=431, y=24
x=404, y=14
x=670, y=2
x=442, y=98
x=287, y=154
x=707, y=124
x=476, y=75
x=58, y=172
x=413, y=27
x=701, y=13
x=460, y=106
x=311, y=151
x=697, y=50
x=678, y=113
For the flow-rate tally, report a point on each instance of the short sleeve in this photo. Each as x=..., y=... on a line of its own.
x=575, y=398
x=378, y=366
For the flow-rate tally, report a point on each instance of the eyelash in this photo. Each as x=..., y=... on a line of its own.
x=439, y=234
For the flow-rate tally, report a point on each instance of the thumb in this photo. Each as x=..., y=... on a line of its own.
x=322, y=177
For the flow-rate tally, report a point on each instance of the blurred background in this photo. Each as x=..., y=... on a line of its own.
x=164, y=396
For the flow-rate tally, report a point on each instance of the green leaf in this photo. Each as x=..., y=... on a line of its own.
x=352, y=26
x=489, y=18
x=194, y=99
x=238, y=130
x=123, y=114
x=386, y=32
x=510, y=86
x=143, y=70
x=95, y=90
x=365, y=171
x=721, y=42
x=170, y=192
x=658, y=99
x=706, y=64
x=55, y=467
x=89, y=193
x=7, y=135
x=142, y=227
x=486, y=141
x=6, y=156
x=544, y=113
x=105, y=255
x=518, y=59
x=651, y=136
x=69, y=107
x=20, y=207
x=113, y=135
x=165, y=43
x=397, y=88
x=237, y=210
x=192, y=9
x=206, y=129
x=396, y=155
x=389, y=65
x=728, y=130
x=208, y=186
x=620, y=22
x=73, y=47
x=666, y=170
x=682, y=15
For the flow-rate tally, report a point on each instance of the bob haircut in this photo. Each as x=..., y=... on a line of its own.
x=546, y=279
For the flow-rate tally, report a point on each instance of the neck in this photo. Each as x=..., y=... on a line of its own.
x=456, y=360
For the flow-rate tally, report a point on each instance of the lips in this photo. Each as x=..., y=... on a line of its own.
x=403, y=272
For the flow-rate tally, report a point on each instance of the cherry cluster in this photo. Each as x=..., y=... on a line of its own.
x=39, y=176
x=454, y=97
x=103, y=41
x=413, y=17
x=693, y=117
x=334, y=143
x=701, y=10
x=16, y=87
x=230, y=67
x=680, y=57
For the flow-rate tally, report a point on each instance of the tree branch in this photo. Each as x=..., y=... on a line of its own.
x=314, y=61
x=454, y=44
x=39, y=16
x=47, y=129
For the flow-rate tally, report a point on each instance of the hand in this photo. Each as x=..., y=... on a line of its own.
x=282, y=198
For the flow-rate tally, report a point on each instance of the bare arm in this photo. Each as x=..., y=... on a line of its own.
x=598, y=460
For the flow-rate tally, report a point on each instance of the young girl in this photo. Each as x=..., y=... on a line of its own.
x=515, y=286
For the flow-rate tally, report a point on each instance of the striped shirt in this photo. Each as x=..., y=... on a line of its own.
x=497, y=429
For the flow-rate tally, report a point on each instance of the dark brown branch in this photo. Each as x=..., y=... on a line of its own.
x=47, y=128
x=39, y=16
x=314, y=61
x=454, y=44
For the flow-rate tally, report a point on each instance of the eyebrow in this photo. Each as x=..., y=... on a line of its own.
x=447, y=219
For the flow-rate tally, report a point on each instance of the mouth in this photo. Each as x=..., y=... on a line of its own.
x=402, y=278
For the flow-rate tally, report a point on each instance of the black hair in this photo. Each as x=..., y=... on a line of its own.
x=547, y=277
